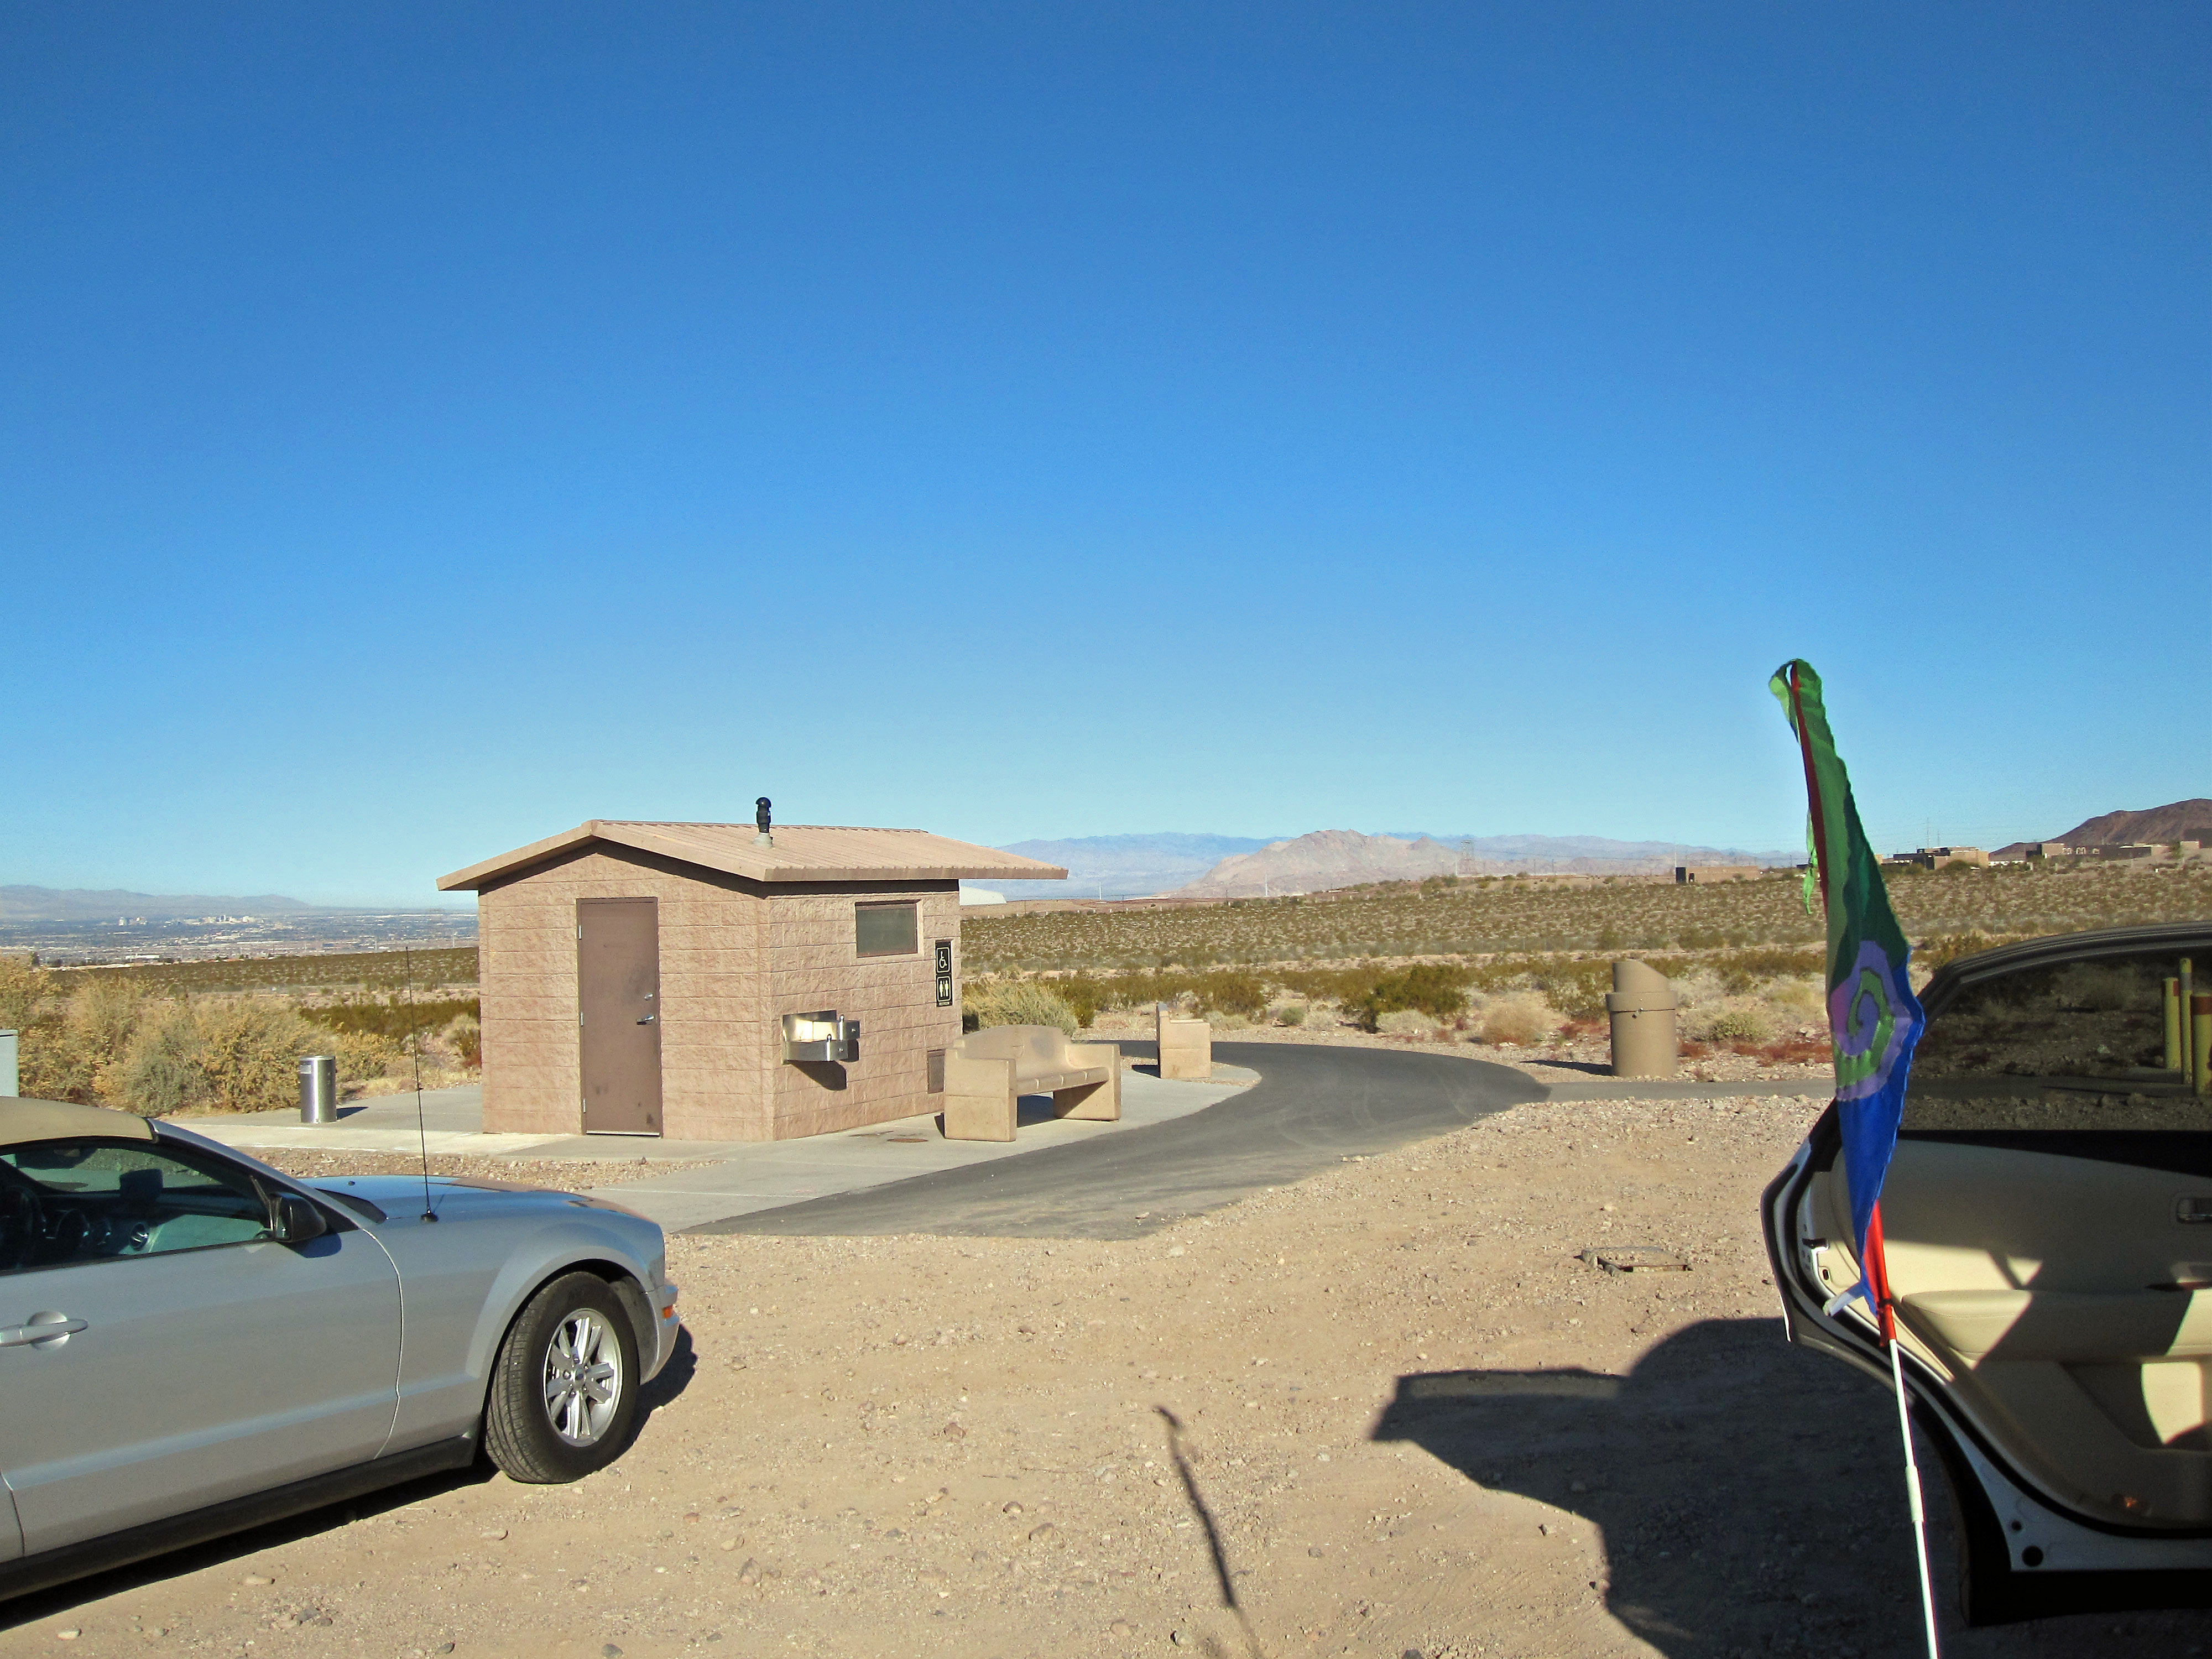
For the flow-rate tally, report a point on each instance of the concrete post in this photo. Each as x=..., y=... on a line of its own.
x=1186, y=1047
x=11, y=1078
x=1641, y=1006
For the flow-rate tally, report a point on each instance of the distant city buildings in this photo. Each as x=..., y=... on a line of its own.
x=1935, y=857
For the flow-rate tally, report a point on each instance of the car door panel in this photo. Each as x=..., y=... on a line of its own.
x=2031, y=1280
x=199, y=1374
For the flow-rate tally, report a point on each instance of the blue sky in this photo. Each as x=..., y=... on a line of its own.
x=424, y=428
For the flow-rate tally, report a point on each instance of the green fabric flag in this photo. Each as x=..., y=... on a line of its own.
x=1874, y=1018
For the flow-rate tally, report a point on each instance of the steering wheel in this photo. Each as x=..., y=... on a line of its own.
x=22, y=1218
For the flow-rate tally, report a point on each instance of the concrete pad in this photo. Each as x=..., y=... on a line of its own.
x=767, y=1175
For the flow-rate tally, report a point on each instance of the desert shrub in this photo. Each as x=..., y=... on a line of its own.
x=1732, y=1019
x=1085, y=994
x=1231, y=993
x=1016, y=1002
x=1406, y=1021
x=1701, y=986
x=249, y=1053
x=1430, y=988
x=1799, y=996
x=1519, y=1018
x=24, y=992
x=79, y=1056
x=1226, y=1020
x=464, y=1034
x=231, y=1055
x=362, y=1055
x=162, y=1074
x=1291, y=1013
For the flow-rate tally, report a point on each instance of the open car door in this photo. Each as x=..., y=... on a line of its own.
x=2048, y=1221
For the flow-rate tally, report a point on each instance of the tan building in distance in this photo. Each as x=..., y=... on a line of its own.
x=650, y=978
x=1699, y=874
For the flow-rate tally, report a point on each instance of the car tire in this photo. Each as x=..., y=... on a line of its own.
x=563, y=1395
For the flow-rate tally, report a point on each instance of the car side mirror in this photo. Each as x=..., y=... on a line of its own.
x=293, y=1220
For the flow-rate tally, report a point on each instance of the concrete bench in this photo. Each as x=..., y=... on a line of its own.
x=987, y=1072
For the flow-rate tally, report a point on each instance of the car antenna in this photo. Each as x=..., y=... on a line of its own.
x=415, y=1049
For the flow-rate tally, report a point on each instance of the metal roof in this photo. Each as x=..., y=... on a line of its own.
x=802, y=851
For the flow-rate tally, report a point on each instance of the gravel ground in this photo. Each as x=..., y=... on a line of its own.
x=1391, y=1402
x=568, y=1174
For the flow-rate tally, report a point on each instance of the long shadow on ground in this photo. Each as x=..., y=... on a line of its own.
x=1750, y=1493
x=1313, y=1107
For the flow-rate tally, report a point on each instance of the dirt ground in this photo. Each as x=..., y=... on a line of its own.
x=1388, y=1411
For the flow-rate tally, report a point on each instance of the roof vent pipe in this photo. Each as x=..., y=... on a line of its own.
x=760, y=820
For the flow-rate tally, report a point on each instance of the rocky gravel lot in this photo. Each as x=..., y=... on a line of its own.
x=568, y=1174
x=1387, y=1410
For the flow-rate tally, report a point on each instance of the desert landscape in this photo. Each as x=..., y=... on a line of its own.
x=1401, y=1407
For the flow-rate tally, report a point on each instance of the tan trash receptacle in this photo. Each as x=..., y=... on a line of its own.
x=1641, y=1006
x=1185, y=1047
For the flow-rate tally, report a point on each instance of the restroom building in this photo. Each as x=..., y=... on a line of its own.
x=713, y=982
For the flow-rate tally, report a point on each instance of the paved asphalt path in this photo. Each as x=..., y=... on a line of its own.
x=1312, y=1108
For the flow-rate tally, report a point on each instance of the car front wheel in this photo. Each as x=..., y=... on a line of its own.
x=563, y=1392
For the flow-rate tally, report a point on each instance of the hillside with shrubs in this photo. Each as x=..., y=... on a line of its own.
x=1449, y=916
x=1524, y=963
x=139, y=1041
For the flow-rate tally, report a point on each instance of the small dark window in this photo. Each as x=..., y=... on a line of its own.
x=886, y=930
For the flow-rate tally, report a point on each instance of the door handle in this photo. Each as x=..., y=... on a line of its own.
x=647, y=1020
x=41, y=1330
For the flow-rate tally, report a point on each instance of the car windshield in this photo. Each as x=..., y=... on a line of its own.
x=74, y=1167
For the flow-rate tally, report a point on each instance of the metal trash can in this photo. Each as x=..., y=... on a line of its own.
x=11, y=1081
x=319, y=1088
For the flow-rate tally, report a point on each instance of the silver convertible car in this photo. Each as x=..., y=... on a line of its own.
x=193, y=1342
x=2049, y=1228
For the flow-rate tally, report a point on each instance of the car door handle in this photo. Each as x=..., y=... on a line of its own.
x=40, y=1329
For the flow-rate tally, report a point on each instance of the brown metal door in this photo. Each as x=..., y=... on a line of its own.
x=619, y=1000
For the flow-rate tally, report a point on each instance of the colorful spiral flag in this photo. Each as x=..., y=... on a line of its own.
x=1874, y=1018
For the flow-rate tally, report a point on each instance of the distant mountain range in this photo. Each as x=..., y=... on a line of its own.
x=1138, y=866
x=2183, y=820
x=1330, y=859
x=83, y=904
x=1121, y=866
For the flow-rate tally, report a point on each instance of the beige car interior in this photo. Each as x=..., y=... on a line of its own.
x=2068, y=1298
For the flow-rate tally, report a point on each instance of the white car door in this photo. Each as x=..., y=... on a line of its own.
x=191, y=1357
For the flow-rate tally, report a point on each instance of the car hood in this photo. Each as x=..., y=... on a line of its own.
x=452, y=1198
